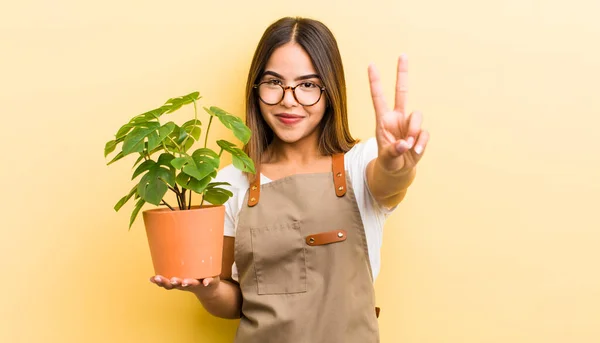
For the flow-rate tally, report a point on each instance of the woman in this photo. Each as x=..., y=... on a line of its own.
x=306, y=230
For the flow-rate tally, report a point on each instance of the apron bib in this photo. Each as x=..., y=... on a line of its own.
x=302, y=258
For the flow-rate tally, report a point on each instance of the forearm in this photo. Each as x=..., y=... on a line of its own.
x=224, y=302
x=388, y=187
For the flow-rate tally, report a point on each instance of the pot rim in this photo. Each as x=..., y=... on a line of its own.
x=195, y=208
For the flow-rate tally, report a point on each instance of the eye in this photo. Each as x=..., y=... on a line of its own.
x=308, y=85
x=274, y=82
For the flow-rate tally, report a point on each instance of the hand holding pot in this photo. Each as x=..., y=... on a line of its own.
x=201, y=287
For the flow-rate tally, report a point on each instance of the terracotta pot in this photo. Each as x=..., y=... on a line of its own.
x=186, y=244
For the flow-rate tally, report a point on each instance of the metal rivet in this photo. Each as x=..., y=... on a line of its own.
x=339, y=175
x=312, y=240
x=252, y=199
x=340, y=234
x=253, y=188
x=340, y=188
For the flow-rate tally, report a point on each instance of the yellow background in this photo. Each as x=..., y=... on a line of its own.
x=497, y=241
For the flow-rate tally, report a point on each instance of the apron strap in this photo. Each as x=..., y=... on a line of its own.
x=339, y=174
x=254, y=190
x=339, y=180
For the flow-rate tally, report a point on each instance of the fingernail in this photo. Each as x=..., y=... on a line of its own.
x=418, y=149
x=157, y=279
x=173, y=282
x=184, y=284
x=205, y=282
x=410, y=140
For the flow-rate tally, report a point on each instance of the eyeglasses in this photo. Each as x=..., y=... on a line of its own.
x=272, y=92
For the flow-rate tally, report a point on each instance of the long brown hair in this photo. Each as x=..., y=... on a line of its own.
x=320, y=44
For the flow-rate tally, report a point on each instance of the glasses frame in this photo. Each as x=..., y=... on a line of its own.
x=285, y=88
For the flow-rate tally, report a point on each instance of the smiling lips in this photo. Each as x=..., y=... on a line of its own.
x=288, y=118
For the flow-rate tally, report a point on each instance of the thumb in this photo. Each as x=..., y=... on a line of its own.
x=397, y=148
x=211, y=281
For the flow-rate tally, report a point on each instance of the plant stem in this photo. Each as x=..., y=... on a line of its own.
x=177, y=145
x=195, y=122
x=207, y=130
x=165, y=203
x=190, y=203
x=202, y=202
x=220, y=152
x=178, y=201
x=182, y=199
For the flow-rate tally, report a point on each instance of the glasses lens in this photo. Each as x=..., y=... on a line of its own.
x=270, y=93
x=307, y=93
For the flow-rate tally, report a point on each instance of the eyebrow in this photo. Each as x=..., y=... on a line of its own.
x=303, y=77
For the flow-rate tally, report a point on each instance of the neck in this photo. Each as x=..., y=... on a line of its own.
x=302, y=152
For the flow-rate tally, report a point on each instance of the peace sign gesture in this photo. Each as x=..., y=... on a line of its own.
x=399, y=136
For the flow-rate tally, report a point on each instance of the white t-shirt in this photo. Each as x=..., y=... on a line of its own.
x=356, y=160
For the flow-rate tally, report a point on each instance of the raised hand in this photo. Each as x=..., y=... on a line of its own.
x=400, y=139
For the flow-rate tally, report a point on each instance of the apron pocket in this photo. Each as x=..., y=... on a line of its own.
x=279, y=259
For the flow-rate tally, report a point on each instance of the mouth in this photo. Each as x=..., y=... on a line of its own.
x=288, y=118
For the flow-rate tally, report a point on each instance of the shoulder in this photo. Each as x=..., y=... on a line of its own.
x=360, y=155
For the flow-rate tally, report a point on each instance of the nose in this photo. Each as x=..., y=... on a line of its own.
x=288, y=97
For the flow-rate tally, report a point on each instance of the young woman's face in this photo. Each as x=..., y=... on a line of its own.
x=290, y=65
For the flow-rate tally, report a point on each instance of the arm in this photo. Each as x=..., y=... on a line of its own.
x=400, y=141
x=388, y=187
x=222, y=297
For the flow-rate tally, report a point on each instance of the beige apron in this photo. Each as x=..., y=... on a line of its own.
x=303, y=262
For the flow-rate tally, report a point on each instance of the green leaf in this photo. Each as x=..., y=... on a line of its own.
x=165, y=130
x=136, y=210
x=188, y=144
x=240, y=130
x=110, y=147
x=175, y=103
x=124, y=130
x=227, y=146
x=215, y=184
x=147, y=165
x=205, y=155
x=192, y=128
x=156, y=113
x=125, y=199
x=153, y=185
x=216, y=195
x=153, y=140
x=138, y=160
x=165, y=159
x=116, y=158
x=136, y=137
x=197, y=186
x=179, y=162
x=243, y=163
x=183, y=180
x=239, y=158
x=201, y=164
x=192, y=96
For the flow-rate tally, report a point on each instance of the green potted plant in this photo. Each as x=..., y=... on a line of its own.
x=184, y=240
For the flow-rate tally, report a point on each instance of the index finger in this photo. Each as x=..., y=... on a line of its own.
x=377, y=91
x=402, y=84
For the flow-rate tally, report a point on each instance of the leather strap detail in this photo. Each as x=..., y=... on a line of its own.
x=339, y=174
x=254, y=191
x=377, y=310
x=326, y=237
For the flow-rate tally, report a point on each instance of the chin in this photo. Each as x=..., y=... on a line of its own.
x=289, y=137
